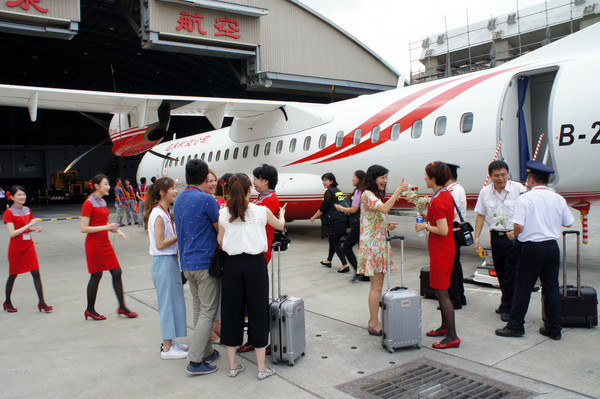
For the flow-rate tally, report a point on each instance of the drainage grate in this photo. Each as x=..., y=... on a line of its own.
x=429, y=379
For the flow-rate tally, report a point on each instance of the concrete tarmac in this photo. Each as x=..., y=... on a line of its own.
x=61, y=355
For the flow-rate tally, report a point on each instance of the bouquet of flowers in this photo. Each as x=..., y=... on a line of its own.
x=412, y=196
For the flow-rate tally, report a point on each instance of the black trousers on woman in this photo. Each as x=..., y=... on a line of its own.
x=351, y=240
x=245, y=286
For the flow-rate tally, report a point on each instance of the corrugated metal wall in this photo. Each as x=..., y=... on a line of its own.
x=296, y=42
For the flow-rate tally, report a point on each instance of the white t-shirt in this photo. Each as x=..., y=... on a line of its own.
x=248, y=237
x=542, y=213
x=460, y=197
x=498, y=207
x=169, y=232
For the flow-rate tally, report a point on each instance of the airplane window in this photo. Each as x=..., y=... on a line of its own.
x=245, y=152
x=375, y=134
x=292, y=145
x=226, y=155
x=339, y=139
x=218, y=156
x=202, y=156
x=279, y=147
x=395, y=133
x=466, y=122
x=189, y=157
x=322, y=141
x=306, y=145
x=356, y=137
x=176, y=162
x=256, y=150
x=170, y=163
x=417, y=127
x=209, y=157
x=196, y=156
x=267, y=148
x=235, y=152
x=439, y=128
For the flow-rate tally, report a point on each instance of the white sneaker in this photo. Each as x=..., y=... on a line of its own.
x=181, y=347
x=173, y=353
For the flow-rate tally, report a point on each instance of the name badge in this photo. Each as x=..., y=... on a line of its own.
x=26, y=237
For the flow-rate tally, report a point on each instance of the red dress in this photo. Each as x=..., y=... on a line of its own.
x=271, y=201
x=21, y=252
x=441, y=248
x=98, y=251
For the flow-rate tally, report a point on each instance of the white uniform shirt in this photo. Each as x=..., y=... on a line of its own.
x=541, y=212
x=460, y=197
x=169, y=232
x=498, y=207
x=248, y=237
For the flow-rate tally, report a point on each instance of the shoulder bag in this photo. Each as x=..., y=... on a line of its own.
x=463, y=233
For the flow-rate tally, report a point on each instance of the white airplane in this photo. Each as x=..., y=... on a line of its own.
x=466, y=120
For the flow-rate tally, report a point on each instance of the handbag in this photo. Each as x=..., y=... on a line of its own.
x=282, y=238
x=217, y=261
x=463, y=236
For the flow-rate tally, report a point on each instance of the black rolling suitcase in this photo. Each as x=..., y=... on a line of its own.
x=426, y=290
x=578, y=305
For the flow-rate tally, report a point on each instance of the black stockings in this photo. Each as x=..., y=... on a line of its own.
x=37, y=282
x=92, y=289
x=447, y=310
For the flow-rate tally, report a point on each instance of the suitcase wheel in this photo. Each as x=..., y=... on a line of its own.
x=303, y=354
x=274, y=361
x=291, y=363
x=418, y=346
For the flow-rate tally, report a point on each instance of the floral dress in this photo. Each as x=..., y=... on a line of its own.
x=372, y=251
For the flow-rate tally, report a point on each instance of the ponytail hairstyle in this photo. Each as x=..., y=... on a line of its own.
x=13, y=190
x=97, y=180
x=153, y=196
x=239, y=184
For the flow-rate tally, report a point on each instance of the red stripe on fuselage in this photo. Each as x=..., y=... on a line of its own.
x=372, y=121
x=418, y=113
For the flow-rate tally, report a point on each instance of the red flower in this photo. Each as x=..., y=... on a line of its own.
x=222, y=182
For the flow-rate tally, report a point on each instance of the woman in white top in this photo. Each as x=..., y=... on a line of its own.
x=165, y=267
x=245, y=284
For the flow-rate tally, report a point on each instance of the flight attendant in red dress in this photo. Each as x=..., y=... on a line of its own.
x=21, y=252
x=441, y=250
x=99, y=253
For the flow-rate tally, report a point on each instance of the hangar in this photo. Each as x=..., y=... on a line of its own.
x=267, y=49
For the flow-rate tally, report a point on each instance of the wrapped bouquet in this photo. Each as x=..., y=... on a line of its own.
x=412, y=196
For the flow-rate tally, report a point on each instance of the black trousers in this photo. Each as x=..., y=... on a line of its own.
x=505, y=255
x=537, y=259
x=457, y=288
x=245, y=286
x=351, y=240
x=335, y=246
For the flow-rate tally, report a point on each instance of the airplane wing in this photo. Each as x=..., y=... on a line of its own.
x=215, y=109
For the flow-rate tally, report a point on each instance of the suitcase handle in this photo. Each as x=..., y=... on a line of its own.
x=564, y=261
x=388, y=240
x=275, y=246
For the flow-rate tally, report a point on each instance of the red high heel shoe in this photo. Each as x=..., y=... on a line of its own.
x=9, y=310
x=451, y=344
x=99, y=317
x=434, y=333
x=44, y=308
x=131, y=315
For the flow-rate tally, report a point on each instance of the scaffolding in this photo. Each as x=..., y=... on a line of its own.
x=486, y=44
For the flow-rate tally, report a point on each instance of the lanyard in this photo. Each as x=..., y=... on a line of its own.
x=498, y=196
x=18, y=211
x=99, y=201
x=264, y=195
x=193, y=188
x=438, y=191
x=169, y=215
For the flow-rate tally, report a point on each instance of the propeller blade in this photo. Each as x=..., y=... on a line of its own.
x=161, y=155
x=106, y=140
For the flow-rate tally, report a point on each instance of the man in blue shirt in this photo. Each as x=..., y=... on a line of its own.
x=196, y=217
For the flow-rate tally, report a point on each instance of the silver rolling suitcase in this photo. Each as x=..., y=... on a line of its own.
x=288, y=337
x=400, y=310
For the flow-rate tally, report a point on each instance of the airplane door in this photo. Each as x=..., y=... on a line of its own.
x=524, y=117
